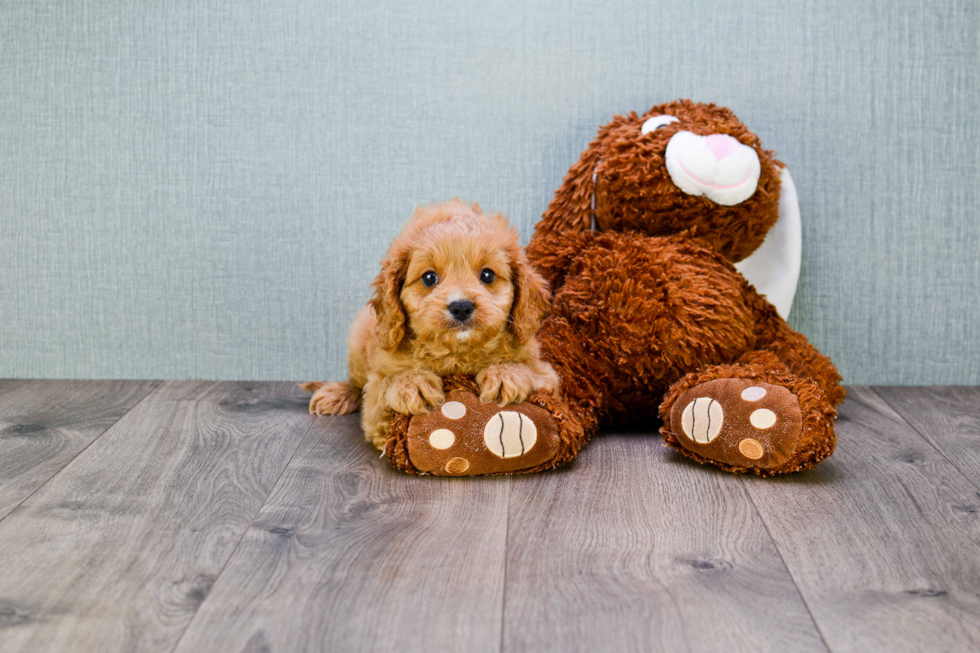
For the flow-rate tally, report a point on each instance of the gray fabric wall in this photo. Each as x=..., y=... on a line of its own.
x=204, y=188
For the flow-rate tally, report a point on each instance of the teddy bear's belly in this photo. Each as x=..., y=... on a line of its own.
x=653, y=309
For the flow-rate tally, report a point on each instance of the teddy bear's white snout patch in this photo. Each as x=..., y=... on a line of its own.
x=717, y=167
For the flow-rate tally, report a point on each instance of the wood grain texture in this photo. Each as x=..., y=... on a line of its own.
x=44, y=424
x=947, y=417
x=117, y=552
x=204, y=521
x=882, y=539
x=635, y=548
x=350, y=555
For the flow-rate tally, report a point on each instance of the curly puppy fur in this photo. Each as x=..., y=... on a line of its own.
x=406, y=339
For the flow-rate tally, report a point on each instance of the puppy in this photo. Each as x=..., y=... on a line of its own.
x=455, y=295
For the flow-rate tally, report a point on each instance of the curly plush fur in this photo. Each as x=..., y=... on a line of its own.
x=407, y=339
x=570, y=435
x=650, y=303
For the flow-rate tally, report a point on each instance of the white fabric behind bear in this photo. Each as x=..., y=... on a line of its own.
x=774, y=268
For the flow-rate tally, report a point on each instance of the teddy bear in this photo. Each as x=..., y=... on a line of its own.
x=650, y=322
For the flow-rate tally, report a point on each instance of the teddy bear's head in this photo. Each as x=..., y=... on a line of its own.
x=680, y=168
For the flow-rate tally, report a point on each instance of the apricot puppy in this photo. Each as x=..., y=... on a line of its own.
x=455, y=295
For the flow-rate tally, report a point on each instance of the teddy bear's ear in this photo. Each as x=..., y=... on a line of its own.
x=774, y=268
x=571, y=209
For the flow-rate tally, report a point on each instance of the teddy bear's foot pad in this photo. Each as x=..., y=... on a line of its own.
x=466, y=437
x=738, y=422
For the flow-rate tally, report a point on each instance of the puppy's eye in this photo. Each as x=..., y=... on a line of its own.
x=487, y=276
x=656, y=122
x=430, y=279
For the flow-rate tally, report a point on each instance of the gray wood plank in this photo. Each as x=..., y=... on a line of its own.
x=948, y=417
x=882, y=539
x=44, y=424
x=350, y=555
x=5, y=384
x=635, y=548
x=117, y=551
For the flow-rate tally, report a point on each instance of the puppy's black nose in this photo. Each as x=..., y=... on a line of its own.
x=461, y=309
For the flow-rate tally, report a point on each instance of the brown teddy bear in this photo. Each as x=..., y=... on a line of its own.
x=650, y=321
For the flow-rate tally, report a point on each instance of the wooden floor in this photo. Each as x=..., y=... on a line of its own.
x=200, y=516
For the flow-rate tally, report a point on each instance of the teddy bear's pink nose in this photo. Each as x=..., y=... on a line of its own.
x=720, y=145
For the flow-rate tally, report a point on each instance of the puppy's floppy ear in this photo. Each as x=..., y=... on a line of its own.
x=531, y=298
x=387, y=303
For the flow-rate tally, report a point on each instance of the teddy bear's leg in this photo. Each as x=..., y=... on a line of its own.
x=803, y=359
x=466, y=437
x=754, y=416
x=792, y=349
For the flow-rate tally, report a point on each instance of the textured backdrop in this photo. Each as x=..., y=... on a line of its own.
x=204, y=188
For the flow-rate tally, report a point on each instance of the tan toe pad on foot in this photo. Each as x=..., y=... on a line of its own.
x=466, y=437
x=738, y=422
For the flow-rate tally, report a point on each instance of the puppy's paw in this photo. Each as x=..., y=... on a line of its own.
x=376, y=439
x=414, y=393
x=506, y=383
x=546, y=379
x=334, y=398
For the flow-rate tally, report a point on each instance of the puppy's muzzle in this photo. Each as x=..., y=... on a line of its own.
x=461, y=310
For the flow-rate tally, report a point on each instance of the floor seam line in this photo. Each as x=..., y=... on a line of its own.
x=922, y=435
x=789, y=573
x=83, y=450
x=234, y=549
x=503, y=598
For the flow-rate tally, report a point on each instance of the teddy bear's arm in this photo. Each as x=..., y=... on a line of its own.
x=551, y=254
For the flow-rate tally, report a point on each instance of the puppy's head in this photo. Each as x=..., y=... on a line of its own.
x=457, y=278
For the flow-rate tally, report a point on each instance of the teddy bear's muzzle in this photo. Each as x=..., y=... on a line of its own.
x=717, y=167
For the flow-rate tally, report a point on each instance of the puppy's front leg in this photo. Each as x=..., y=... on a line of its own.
x=375, y=415
x=414, y=392
x=508, y=383
x=545, y=378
